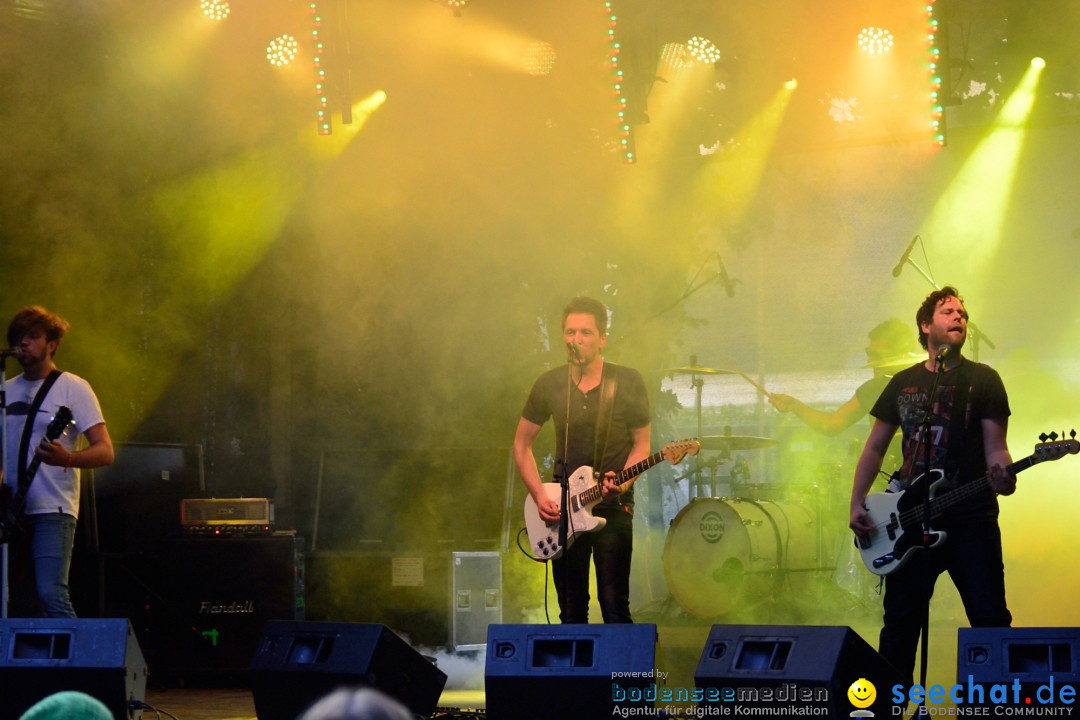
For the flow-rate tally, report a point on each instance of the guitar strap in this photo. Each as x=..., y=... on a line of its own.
x=609, y=383
x=28, y=428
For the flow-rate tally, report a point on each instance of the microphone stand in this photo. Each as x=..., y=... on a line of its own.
x=4, y=557
x=974, y=332
x=926, y=539
x=692, y=288
x=562, y=475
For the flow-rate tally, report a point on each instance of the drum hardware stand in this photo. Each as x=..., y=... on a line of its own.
x=696, y=472
x=698, y=383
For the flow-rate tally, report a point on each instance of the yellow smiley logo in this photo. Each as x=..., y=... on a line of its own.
x=862, y=693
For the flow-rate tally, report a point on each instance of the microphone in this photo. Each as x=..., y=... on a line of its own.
x=904, y=258
x=9, y=352
x=943, y=353
x=573, y=348
x=725, y=279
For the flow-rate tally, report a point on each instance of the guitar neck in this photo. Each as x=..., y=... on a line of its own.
x=623, y=478
x=946, y=500
x=636, y=469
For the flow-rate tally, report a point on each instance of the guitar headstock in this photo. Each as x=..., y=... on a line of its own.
x=1053, y=448
x=59, y=423
x=676, y=451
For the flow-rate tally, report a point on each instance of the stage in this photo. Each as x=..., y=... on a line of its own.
x=237, y=703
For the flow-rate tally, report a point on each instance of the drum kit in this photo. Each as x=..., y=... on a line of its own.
x=763, y=544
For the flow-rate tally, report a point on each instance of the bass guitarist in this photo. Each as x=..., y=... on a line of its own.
x=968, y=436
x=52, y=499
x=571, y=394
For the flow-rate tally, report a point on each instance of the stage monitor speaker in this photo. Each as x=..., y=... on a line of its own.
x=39, y=657
x=1043, y=659
x=777, y=666
x=298, y=663
x=567, y=671
x=217, y=593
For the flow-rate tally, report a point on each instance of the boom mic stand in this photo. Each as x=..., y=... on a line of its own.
x=562, y=475
x=977, y=336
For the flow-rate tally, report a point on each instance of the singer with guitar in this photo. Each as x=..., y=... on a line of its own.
x=967, y=440
x=40, y=510
x=572, y=395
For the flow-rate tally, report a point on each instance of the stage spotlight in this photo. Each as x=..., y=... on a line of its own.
x=875, y=40
x=282, y=50
x=703, y=50
x=1038, y=63
x=456, y=5
x=676, y=56
x=791, y=84
x=539, y=58
x=215, y=9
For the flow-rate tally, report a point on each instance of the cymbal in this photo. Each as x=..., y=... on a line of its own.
x=904, y=360
x=697, y=370
x=736, y=442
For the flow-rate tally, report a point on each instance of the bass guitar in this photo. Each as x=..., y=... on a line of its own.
x=13, y=503
x=583, y=494
x=898, y=517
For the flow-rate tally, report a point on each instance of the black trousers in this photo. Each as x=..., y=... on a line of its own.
x=972, y=556
x=610, y=550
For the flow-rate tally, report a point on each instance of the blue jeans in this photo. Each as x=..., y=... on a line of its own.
x=54, y=536
x=972, y=556
x=610, y=549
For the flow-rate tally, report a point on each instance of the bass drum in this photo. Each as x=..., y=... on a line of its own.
x=723, y=555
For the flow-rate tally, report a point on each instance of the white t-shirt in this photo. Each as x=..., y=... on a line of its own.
x=54, y=489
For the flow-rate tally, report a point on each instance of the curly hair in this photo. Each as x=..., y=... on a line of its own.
x=926, y=310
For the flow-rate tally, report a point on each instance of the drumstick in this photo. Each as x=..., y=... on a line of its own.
x=748, y=379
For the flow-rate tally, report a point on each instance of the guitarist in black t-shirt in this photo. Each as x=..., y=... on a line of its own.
x=967, y=440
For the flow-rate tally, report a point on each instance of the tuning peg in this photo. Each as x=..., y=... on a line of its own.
x=1072, y=433
x=1053, y=436
x=1043, y=437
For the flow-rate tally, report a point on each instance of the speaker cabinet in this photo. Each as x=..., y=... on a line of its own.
x=134, y=503
x=773, y=666
x=217, y=593
x=298, y=663
x=567, y=671
x=39, y=657
x=1044, y=660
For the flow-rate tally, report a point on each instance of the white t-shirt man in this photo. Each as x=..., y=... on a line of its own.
x=54, y=488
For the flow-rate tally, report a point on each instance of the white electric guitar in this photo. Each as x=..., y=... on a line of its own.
x=584, y=493
x=898, y=517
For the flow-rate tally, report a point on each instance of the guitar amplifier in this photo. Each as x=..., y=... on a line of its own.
x=216, y=596
x=231, y=516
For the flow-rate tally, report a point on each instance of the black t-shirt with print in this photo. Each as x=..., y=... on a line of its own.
x=956, y=446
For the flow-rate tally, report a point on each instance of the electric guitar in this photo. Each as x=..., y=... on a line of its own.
x=13, y=503
x=584, y=493
x=898, y=517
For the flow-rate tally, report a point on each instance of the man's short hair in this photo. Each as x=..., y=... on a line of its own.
x=929, y=305
x=36, y=317
x=590, y=306
x=895, y=334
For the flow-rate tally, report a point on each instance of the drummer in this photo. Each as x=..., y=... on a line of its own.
x=891, y=348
